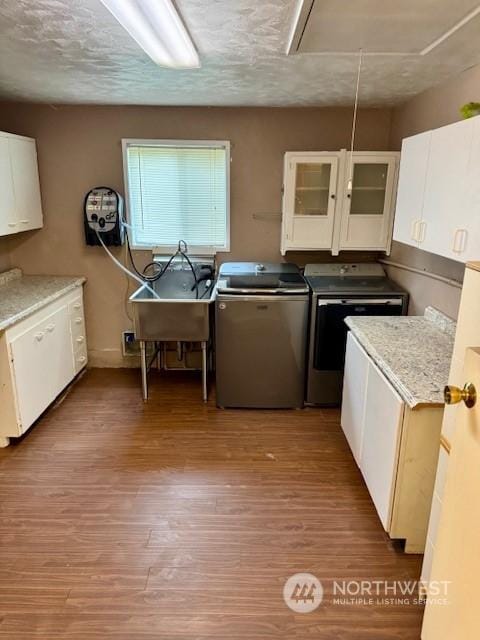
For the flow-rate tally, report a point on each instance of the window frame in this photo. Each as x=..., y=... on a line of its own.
x=212, y=144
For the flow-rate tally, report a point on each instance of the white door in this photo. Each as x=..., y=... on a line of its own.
x=26, y=185
x=8, y=223
x=456, y=558
x=354, y=395
x=367, y=214
x=445, y=186
x=381, y=441
x=309, y=201
x=411, y=188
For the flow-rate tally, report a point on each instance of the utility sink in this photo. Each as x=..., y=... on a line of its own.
x=177, y=314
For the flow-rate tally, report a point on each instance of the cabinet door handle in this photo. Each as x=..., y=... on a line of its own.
x=78, y=320
x=80, y=339
x=414, y=230
x=459, y=240
x=422, y=225
x=24, y=221
x=39, y=336
x=12, y=224
x=77, y=305
x=50, y=328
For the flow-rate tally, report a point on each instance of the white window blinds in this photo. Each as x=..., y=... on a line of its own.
x=178, y=191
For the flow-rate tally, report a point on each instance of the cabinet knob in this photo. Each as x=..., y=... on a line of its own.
x=50, y=328
x=82, y=359
x=77, y=305
x=454, y=395
x=78, y=320
x=39, y=336
x=333, y=196
x=80, y=339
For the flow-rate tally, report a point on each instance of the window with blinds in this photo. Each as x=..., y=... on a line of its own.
x=178, y=190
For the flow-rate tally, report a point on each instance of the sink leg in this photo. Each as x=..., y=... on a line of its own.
x=204, y=371
x=143, y=353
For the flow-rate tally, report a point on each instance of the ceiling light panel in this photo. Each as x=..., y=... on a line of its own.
x=159, y=30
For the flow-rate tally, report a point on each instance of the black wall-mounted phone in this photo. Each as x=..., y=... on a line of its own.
x=103, y=214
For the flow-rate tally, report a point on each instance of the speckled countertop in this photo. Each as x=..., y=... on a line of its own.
x=414, y=352
x=20, y=295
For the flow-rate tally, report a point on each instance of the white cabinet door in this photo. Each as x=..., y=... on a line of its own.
x=354, y=395
x=445, y=187
x=26, y=185
x=468, y=239
x=42, y=364
x=367, y=214
x=8, y=222
x=381, y=440
x=60, y=354
x=309, y=201
x=411, y=188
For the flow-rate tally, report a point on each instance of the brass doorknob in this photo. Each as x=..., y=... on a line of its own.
x=454, y=395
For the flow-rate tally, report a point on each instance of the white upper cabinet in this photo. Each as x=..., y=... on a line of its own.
x=310, y=193
x=411, y=188
x=8, y=220
x=367, y=215
x=319, y=212
x=445, y=188
x=438, y=204
x=21, y=206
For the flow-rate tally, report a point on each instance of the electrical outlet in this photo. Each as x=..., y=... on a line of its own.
x=130, y=346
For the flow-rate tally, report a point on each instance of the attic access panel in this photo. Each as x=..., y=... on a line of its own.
x=378, y=26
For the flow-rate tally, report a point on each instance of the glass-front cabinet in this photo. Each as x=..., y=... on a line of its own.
x=368, y=206
x=309, y=200
x=323, y=209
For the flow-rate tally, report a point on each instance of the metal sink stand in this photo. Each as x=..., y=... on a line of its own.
x=146, y=365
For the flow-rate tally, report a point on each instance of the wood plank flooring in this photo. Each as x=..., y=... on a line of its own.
x=176, y=520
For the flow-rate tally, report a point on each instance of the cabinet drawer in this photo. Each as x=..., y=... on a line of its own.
x=78, y=328
x=75, y=308
x=80, y=358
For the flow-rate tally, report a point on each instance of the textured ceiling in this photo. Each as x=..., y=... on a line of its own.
x=73, y=51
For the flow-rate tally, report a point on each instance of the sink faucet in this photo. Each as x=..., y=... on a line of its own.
x=185, y=246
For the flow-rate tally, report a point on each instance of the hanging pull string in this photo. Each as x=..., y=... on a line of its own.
x=354, y=124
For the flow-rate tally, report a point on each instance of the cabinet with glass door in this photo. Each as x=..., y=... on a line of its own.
x=368, y=206
x=309, y=200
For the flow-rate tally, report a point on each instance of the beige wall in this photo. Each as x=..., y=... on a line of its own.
x=4, y=254
x=79, y=147
x=433, y=108
x=436, y=107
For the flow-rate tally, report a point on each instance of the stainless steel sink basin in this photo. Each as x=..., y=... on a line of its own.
x=177, y=315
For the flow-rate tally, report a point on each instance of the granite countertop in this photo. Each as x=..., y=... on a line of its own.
x=20, y=295
x=414, y=352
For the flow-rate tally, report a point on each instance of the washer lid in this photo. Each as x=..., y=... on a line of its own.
x=254, y=276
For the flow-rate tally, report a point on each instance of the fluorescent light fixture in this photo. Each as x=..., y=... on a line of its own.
x=158, y=28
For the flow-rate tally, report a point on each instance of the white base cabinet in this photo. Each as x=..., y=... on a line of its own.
x=20, y=204
x=394, y=446
x=39, y=357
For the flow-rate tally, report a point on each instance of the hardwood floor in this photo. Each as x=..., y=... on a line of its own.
x=176, y=520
